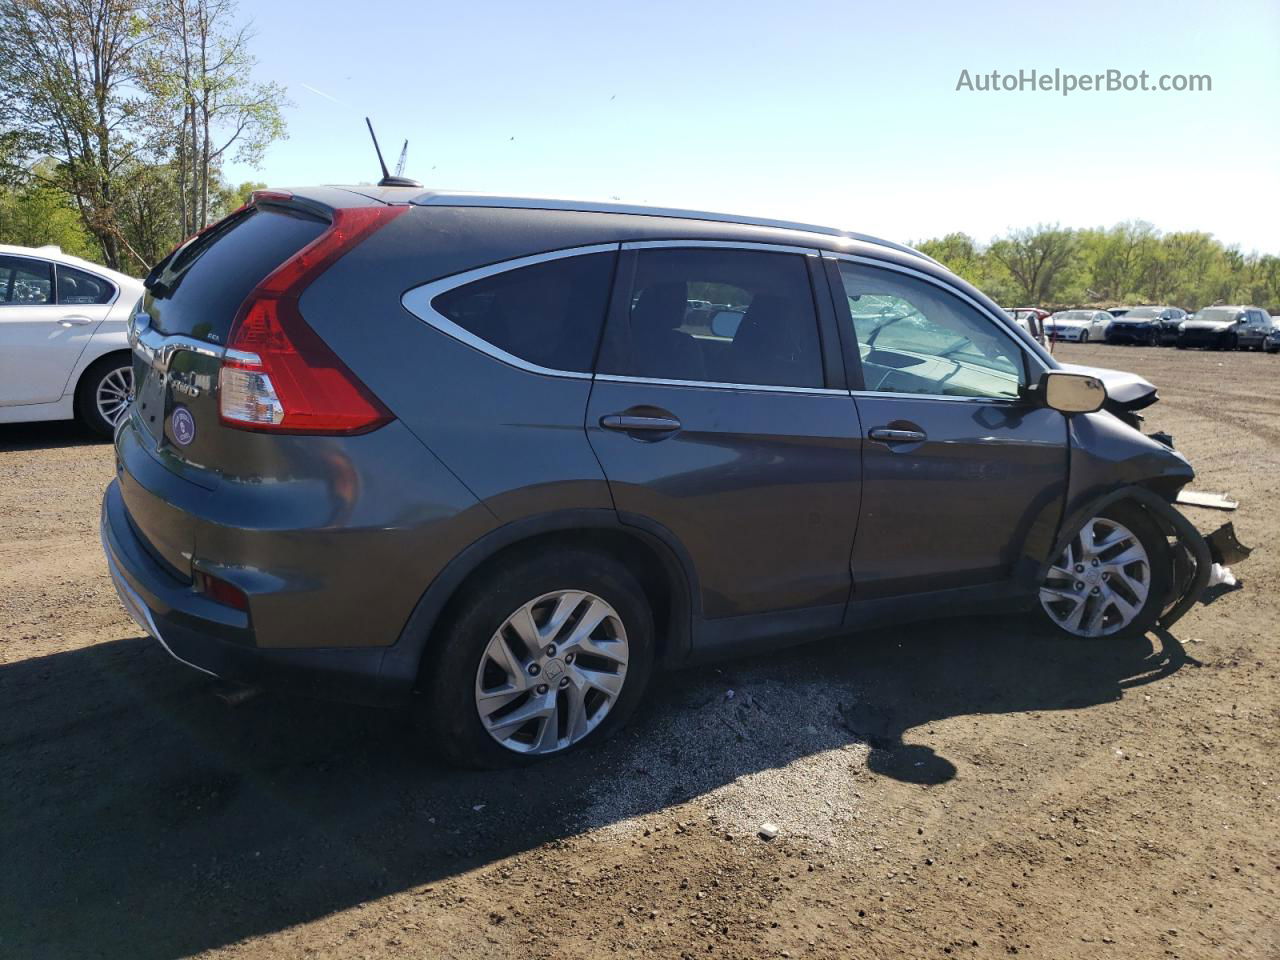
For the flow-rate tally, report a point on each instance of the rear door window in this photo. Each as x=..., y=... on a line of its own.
x=720, y=316
x=198, y=291
x=78, y=287
x=25, y=282
x=549, y=314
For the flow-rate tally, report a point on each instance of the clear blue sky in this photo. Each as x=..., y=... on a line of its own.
x=834, y=112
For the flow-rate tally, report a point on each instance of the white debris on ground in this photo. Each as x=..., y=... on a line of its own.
x=777, y=753
x=1220, y=574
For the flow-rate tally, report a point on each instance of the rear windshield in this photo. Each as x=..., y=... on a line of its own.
x=198, y=292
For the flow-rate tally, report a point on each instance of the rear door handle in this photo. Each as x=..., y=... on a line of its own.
x=628, y=422
x=75, y=320
x=887, y=435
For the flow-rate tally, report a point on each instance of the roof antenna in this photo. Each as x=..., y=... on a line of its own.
x=387, y=179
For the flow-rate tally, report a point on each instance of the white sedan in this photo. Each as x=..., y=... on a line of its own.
x=64, y=348
x=1081, y=326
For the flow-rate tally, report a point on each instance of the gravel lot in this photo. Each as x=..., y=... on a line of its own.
x=963, y=788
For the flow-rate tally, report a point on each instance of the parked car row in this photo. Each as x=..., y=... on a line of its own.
x=1218, y=327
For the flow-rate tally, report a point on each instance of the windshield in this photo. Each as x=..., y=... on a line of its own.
x=1218, y=314
x=1083, y=316
x=1139, y=313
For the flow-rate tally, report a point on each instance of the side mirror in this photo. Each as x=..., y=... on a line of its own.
x=1072, y=392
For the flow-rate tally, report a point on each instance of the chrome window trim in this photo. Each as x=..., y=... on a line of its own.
x=1003, y=401
x=714, y=385
x=1002, y=322
x=417, y=301
x=724, y=245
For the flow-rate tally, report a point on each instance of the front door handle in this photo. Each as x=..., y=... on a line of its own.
x=75, y=320
x=888, y=435
x=629, y=422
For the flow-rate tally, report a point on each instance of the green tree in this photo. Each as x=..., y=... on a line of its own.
x=1036, y=258
x=37, y=214
x=69, y=71
x=205, y=107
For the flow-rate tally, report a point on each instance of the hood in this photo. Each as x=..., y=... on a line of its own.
x=1126, y=392
x=1136, y=321
x=1065, y=322
x=1208, y=324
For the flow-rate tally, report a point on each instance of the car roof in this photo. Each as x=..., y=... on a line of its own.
x=54, y=253
x=460, y=198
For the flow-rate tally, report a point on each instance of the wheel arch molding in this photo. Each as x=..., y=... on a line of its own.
x=665, y=571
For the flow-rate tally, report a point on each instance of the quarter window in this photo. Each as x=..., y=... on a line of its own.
x=76, y=286
x=25, y=282
x=721, y=316
x=549, y=314
x=915, y=338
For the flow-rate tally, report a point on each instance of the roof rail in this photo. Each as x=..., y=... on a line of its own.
x=448, y=198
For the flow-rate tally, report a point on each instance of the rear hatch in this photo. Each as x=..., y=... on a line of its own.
x=191, y=301
x=223, y=360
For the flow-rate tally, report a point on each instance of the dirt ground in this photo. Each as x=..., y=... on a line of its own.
x=968, y=788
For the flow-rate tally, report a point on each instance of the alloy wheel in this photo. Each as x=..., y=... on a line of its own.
x=552, y=672
x=114, y=392
x=1100, y=583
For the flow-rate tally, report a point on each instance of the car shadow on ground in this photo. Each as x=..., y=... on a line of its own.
x=46, y=436
x=142, y=817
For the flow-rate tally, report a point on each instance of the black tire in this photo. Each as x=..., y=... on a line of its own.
x=1156, y=545
x=1179, y=344
x=1230, y=342
x=445, y=706
x=99, y=371
x=1084, y=336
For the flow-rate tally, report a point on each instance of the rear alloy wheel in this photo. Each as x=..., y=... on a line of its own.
x=552, y=672
x=1110, y=580
x=104, y=394
x=544, y=654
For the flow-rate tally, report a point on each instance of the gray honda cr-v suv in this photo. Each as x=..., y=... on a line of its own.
x=503, y=458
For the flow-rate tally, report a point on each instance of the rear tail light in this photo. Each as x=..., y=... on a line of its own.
x=278, y=375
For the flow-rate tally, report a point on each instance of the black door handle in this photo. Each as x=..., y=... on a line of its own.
x=628, y=422
x=888, y=435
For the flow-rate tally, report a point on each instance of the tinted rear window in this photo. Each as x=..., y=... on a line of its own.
x=549, y=314
x=199, y=291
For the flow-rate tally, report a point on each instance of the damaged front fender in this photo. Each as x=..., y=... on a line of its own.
x=1189, y=555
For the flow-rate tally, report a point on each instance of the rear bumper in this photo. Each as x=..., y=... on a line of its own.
x=219, y=641
x=1204, y=338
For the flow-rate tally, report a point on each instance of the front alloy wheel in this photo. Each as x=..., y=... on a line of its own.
x=552, y=672
x=1101, y=583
